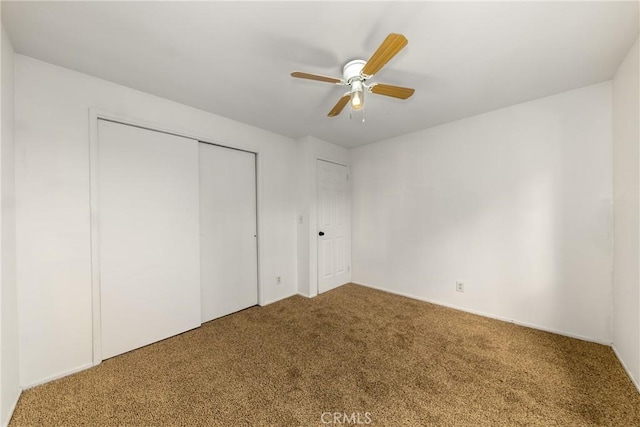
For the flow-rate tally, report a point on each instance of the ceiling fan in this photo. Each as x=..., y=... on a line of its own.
x=355, y=74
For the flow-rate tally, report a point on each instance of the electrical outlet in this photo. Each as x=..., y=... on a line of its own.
x=460, y=286
x=278, y=280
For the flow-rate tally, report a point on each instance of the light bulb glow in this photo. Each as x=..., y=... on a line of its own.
x=357, y=96
x=356, y=100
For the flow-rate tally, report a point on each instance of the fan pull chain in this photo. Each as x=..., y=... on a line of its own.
x=351, y=115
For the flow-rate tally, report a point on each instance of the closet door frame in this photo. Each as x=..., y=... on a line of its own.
x=97, y=114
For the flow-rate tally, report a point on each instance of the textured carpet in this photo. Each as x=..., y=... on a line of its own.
x=366, y=355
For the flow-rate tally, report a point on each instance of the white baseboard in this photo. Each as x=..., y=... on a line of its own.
x=310, y=296
x=278, y=299
x=624, y=365
x=12, y=408
x=59, y=375
x=491, y=316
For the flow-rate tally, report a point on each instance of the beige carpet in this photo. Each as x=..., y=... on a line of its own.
x=352, y=350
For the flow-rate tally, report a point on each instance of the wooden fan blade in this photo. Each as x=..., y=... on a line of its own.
x=308, y=76
x=387, y=50
x=337, y=109
x=394, y=91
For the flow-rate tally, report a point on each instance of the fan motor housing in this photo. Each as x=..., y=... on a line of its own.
x=352, y=69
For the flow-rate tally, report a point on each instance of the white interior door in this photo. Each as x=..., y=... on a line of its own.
x=334, y=228
x=228, y=243
x=149, y=248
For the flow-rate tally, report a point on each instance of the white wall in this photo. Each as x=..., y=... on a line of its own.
x=311, y=149
x=52, y=186
x=626, y=190
x=517, y=203
x=9, y=382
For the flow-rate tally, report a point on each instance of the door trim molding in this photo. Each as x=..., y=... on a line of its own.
x=96, y=114
x=333, y=161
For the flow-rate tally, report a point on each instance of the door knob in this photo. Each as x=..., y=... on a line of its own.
x=321, y=233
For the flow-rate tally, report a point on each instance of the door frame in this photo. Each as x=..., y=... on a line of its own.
x=313, y=255
x=96, y=114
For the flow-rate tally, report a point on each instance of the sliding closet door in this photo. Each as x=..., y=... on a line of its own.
x=229, y=260
x=149, y=247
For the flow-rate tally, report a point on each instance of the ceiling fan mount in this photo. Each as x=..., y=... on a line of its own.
x=355, y=73
x=352, y=70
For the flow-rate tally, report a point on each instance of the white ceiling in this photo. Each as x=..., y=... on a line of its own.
x=234, y=58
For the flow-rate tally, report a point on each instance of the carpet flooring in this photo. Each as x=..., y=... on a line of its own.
x=350, y=355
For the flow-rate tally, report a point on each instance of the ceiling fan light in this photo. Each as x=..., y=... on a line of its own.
x=357, y=96
x=357, y=100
